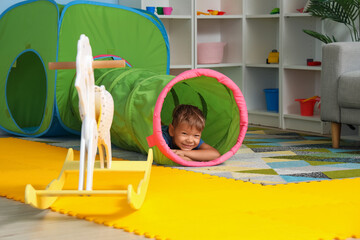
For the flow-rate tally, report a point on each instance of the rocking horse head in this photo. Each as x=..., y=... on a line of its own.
x=85, y=78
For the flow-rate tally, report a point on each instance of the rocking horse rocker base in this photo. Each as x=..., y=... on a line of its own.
x=43, y=199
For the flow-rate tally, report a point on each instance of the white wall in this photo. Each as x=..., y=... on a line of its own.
x=338, y=30
x=130, y=3
x=7, y=3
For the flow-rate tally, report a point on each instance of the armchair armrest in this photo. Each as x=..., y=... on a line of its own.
x=337, y=58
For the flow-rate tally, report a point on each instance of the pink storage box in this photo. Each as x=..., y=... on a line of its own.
x=210, y=53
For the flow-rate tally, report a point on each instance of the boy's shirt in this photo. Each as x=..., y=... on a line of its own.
x=169, y=141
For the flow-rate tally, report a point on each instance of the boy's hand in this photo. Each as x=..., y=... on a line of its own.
x=181, y=154
x=204, y=153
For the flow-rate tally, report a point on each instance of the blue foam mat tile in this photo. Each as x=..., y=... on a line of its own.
x=291, y=179
x=288, y=164
x=345, y=165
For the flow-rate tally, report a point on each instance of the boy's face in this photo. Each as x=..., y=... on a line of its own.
x=184, y=136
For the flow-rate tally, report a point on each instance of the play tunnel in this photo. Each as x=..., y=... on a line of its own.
x=144, y=100
x=28, y=39
x=36, y=101
x=33, y=99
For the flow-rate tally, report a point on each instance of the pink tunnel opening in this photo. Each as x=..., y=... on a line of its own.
x=157, y=138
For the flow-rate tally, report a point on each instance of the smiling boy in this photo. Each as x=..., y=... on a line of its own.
x=183, y=135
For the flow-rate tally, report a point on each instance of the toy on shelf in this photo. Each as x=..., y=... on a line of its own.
x=167, y=10
x=272, y=99
x=216, y=12
x=96, y=109
x=307, y=105
x=273, y=57
x=150, y=9
x=314, y=63
x=160, y=10
x=316, y=98
x=275, y=11
x=201, y=13
x=300, y=10
x=305, y=8
x=311, y=62
x=211, y=12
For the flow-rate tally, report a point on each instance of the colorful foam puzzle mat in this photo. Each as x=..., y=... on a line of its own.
x=187, y=205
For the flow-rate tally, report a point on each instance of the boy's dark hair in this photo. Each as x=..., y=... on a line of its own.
x=189, y=114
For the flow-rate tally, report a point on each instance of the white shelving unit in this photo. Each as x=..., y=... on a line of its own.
x=262, y=31
x=226, y=28
x=297, y=79
x=251, y=33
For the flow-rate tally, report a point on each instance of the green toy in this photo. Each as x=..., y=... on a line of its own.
x=275, y=11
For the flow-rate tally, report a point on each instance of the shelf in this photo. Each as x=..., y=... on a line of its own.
x=288, y=15
x=180, y=66
x=261, y=7
x=264, y=118
x=219, y=16
x=256, y=80
x=299, y=84
x=297, y=45
x=230, y=7
x=315, y=118
x=260, y=39
x=290, y=7
x=180, y=8
x=177, y=71
x=174, y=16
x=218, y=65
x=308, y=124
x=263, y=113
x=302, y=67
x=232, y=71
x=180, y=40
x=261, y=65
x=224, y=30
x=263, y=16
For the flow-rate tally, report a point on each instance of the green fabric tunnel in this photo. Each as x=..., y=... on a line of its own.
x=136, y=92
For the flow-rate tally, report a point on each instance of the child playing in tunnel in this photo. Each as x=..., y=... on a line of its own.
x=183, y=135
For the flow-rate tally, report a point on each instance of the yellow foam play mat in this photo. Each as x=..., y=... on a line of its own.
x=183, y=204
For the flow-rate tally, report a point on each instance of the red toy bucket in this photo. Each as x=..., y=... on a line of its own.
x=307, y=107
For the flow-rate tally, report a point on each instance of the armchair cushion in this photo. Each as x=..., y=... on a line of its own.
x=340, y=86
x=349, y=88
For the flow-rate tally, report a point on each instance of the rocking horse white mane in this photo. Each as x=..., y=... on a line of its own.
x=96, y=110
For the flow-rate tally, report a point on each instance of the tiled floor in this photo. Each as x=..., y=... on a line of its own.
x=20, y=221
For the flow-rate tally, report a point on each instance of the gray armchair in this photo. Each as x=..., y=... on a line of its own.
x=340, y=86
